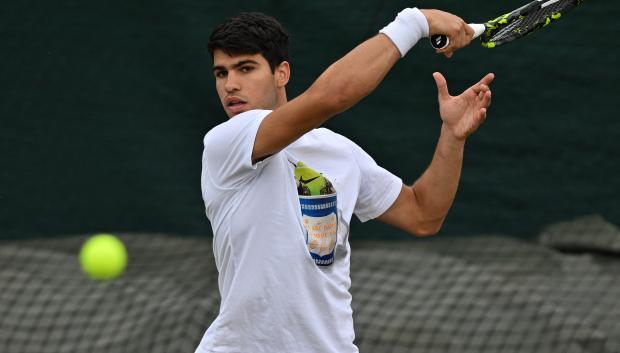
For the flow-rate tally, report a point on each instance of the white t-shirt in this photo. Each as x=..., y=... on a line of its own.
x=275, y=297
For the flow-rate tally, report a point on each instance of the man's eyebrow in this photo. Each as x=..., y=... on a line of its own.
x=244, y=62
x=236, y=65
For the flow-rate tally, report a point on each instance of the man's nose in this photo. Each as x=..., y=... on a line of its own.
x=232, y=83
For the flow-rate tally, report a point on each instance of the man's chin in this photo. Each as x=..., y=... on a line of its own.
x=234, y=112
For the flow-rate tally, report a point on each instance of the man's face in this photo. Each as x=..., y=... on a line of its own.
x=244, y=82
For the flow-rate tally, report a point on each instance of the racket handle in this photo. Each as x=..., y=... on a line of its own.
x=440, y=41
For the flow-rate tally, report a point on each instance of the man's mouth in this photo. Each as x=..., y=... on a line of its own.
x=235, y=105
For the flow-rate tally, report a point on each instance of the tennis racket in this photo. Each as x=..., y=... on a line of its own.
x=516, y=24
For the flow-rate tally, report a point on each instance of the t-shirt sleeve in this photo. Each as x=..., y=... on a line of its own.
x=378, y=187
x=227, y=157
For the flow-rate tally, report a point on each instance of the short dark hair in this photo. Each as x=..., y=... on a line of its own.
x=252, y=33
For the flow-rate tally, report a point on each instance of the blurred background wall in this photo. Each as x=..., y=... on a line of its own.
x=104, y=105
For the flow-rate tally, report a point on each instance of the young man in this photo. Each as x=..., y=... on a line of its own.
x=280, y=192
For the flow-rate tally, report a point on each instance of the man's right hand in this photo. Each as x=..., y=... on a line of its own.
x=459, y=32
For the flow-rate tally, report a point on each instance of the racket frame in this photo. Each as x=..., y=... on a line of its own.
x=441, y=41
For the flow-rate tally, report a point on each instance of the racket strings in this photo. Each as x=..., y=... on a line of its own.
x=524, y=24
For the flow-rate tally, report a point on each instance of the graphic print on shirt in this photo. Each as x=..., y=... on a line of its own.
x=318, y=201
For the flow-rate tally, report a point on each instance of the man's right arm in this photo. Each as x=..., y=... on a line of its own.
x=345, y=83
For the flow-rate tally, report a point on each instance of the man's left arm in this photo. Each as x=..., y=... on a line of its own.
x=421, y=208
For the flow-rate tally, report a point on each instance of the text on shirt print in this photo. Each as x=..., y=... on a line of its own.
x=318, y=202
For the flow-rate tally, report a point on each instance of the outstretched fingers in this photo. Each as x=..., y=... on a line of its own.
x=483, y=92
x=484, y=83
x=442, y=85
x=482, y=115
x=483, y=101
x=484, y=98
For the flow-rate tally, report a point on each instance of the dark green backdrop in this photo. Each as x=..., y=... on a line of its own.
x=104, y=105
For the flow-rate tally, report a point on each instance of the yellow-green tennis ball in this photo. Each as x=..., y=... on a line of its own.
x=309, y=177
x=103, y=257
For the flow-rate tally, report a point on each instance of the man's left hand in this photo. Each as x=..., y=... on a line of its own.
x=464, y=113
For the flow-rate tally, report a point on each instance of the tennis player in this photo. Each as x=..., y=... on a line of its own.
x=280, y=191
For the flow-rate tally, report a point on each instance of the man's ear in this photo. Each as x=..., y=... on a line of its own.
x=283, y=74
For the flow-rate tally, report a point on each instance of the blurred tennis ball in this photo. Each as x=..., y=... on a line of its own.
x=103, y=257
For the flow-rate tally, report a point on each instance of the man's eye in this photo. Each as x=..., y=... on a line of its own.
x=246, y=69
x=220, y=74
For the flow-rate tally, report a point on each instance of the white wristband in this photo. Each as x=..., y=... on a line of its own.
x=407, y=29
